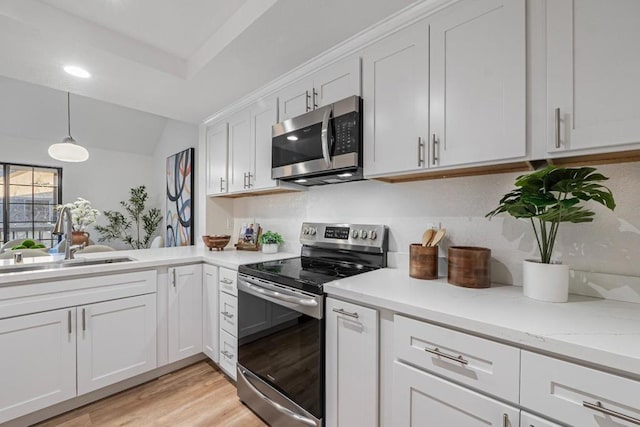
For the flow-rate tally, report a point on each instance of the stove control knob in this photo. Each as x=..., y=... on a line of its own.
x=354, y=234
x=313, y=231
x=363, y=234
x=305, y=231
x=373, y=235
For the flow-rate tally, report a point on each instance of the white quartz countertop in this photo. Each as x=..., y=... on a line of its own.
x=596, y=331
x=143, y=258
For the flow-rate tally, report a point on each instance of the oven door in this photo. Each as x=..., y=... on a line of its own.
x=280, y=352
x=302, y=145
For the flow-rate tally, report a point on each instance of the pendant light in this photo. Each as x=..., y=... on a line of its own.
x=68, y=150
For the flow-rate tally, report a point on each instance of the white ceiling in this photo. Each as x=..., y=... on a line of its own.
x=180, y=59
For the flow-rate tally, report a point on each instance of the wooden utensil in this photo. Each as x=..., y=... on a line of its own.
x=427, y=236
x=438, y=236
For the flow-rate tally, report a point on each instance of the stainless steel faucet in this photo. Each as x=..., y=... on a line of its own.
x=66, y=227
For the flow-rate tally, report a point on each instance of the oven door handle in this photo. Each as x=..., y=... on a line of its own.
x=308, y=302
x=324, y=136
x=277, y=406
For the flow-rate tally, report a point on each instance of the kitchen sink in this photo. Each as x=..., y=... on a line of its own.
x=56, y=265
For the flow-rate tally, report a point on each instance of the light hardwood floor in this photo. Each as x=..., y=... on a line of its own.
x=198, y=395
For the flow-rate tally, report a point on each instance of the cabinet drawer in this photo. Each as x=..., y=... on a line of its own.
x=563, y=390
x=229, y=313
x=422, y=399
x=228, y=282
x=228, y=353
x=476, y=362
x=530, y=420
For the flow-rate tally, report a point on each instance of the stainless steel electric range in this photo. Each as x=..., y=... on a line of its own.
x=281, y=319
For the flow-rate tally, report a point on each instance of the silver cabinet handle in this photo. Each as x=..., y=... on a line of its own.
x=221, y=185
x=308, y=108
x=226, y=354
x=557, y=122
x=505, y=420
x=287, y=412
x=346, y=313
x=173, y=272
x=244, y=180
x=227, y=281
x=598, y=407
x=249, y=179
x=315, y=98
x=437, y=352
x=324, y=136
x=84, y=319
x=434, y=144
x=69, y=322
x=227, y=314
x=420, y=152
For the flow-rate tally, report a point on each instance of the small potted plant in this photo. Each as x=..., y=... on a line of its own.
x=82, y=215
x=270, y=241
x=547, y=198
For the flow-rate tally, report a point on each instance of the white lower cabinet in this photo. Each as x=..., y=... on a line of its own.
x=116, y=340
x=228, y=353
x=530, y=420
x=210, y=326
x=37, y=361
x=228, y=321
x=422, y=399
x=351, y=365
x=185, y=311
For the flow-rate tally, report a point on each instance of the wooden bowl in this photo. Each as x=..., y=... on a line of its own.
x=217, y=242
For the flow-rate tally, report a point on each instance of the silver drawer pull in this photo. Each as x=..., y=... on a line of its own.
x=557, y=118
x=598, y=407
x=346, y=313
x=437, y=352
x=505, y=420
x=227, y=314
x=226, y=354
x=227, y=281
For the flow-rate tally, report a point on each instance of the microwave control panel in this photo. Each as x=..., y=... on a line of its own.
x=346, y=135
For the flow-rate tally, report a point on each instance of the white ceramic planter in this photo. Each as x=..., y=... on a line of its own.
x=270, y=248
x=545, y=282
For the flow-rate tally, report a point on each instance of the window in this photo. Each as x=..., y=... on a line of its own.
x=29, y=196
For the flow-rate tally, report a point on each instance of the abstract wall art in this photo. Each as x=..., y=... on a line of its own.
x=179, y=215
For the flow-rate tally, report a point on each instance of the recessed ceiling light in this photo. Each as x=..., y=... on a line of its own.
x=292, y=138
x=77, y=71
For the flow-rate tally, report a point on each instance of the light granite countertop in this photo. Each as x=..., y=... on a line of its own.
x=592, y=330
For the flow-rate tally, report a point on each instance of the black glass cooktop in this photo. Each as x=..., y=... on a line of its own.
x=308, y=274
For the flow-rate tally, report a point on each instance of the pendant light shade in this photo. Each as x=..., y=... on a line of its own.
x=68, y=150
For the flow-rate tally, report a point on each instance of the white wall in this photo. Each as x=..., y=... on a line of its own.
x=610, y=244
x=104, y=179
x=176, y=136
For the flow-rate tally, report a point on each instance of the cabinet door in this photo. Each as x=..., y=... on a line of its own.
x=116, y=341
x=37, y=361
x=352, y=364
x=240, y=150
x=185, y=311
x=228, y=353
x=210, y=312
x=295, y=99
x=263, y=116
x=395, y=91
x=229, y=313
x=592, y=73
x=421, y=399
x=336, y=81
x=530, y=420
x=478, y=84
x=217, y=158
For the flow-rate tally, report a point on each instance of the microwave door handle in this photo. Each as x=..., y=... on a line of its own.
x=324, y=136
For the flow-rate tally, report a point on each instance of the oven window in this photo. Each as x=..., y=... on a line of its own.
x=283, y=348
x=298, y=146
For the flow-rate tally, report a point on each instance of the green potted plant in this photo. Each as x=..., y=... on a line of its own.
x=547, y=198
x=270, y=241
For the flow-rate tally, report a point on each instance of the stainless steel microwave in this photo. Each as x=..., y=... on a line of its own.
x=323, y=146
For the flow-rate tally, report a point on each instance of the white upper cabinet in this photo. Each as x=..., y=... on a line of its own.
x=478, y=86
x=593, y=91
x=263, y=116
x=240, y=150
x=395, y=91
x=329, y=84
x=216, y=146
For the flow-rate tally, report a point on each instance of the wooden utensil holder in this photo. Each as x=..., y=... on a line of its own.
x=423, y=261
x=469, y=267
